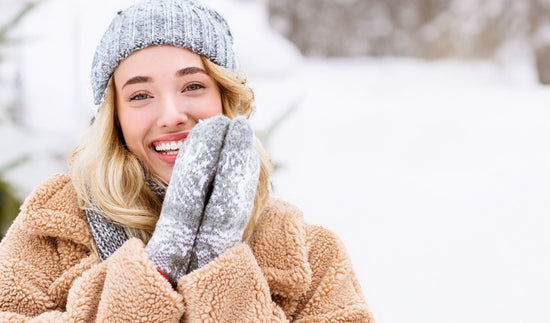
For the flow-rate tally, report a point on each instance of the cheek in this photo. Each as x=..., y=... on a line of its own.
x=204, y=110
x=212, y=107
x=215, y=109
x=134, y=128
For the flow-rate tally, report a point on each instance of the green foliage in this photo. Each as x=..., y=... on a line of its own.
x=9, y=202
x=9, y=206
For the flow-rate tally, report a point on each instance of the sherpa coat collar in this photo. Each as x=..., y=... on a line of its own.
x=285, y=266
x=53, y=211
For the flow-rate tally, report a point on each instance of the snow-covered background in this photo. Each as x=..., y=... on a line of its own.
x=436, y=175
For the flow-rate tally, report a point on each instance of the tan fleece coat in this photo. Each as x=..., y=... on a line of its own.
x=289, y=272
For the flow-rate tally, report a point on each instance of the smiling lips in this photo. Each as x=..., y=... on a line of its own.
x=168, y=148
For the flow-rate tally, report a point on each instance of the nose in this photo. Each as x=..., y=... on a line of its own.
x=171, y=115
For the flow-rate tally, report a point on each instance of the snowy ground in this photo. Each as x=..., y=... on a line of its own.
x=435, y=175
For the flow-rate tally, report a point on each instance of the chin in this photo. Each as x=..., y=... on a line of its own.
x=166, y=175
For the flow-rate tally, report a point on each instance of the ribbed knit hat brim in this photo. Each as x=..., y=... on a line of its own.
x=182, y=23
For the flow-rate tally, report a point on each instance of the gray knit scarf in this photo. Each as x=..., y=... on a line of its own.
x=108, y=235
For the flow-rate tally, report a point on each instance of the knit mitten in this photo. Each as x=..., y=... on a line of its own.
x=230, y=205
x=170, y=245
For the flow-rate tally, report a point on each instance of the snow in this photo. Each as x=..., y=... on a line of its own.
x=435, y=175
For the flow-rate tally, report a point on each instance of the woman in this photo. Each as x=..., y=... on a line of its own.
x=166, y=215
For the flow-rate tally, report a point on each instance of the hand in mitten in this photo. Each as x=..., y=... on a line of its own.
x=170, y=245
x=232, y=199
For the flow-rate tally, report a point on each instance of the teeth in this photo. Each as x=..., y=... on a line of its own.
x=171, y=147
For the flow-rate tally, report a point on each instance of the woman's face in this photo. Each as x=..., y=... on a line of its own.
x=161, y=94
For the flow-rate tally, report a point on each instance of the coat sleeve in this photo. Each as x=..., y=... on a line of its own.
x=35, y=286
x=334, y=294
x=129, y=287
x=233, y=288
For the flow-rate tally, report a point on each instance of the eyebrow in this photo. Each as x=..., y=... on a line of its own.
x=137, y=79
x=190, y=70
x=179, y=73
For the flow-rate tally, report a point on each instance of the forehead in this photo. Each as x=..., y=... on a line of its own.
x=157, y=59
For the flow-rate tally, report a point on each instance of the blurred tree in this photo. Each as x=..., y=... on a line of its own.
x=12, y=110
x=473, y=28
x=333, y=27
x=419, y=28
x=13, y=21
x=9, y=203
x=539, y=16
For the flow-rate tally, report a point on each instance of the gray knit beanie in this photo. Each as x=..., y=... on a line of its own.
x=182, y=23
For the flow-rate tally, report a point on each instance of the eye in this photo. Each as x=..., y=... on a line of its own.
x=193, y=87
x=139, y=96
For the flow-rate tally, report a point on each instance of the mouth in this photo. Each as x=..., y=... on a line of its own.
x=168, y=147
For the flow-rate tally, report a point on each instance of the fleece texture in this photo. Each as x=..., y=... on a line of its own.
x=289, y=272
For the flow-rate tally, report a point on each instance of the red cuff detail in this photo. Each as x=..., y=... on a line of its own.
x=168, y=279
x=163, y=274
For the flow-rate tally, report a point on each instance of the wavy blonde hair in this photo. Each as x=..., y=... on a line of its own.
x=108, y=176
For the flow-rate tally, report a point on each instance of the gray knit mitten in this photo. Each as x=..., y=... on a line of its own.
x=230, y=205
x=170, y=246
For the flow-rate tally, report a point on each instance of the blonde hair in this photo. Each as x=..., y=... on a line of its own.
x=108, y=176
